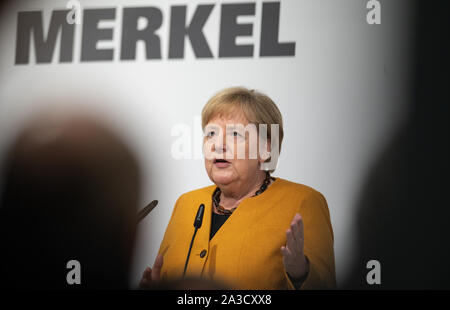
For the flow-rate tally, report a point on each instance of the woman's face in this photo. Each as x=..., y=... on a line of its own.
x=225, y=165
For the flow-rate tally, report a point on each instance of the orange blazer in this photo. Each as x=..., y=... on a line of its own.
x=245, y=251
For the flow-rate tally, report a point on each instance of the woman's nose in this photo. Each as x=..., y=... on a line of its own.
x=221, y=146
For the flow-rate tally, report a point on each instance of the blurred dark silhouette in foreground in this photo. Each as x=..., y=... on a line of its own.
x=71, y=189
x=404, y=211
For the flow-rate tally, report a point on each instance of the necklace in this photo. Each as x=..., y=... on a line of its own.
x=216, y=196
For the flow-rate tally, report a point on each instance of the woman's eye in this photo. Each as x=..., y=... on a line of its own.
x=210, y=133
x=237, y=134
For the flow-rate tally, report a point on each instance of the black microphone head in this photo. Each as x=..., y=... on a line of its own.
x=199, y=217
x=144, y=212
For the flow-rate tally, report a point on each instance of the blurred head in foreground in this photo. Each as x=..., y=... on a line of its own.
x=403, y=214
x=70, y=192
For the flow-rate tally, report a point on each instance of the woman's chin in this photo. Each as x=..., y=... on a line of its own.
x=222, y=178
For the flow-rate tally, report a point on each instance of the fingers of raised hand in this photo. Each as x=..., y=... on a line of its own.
x=291, y=243
x=294, y=235
x=155, y=274
x=297, y=230
x=146, y=277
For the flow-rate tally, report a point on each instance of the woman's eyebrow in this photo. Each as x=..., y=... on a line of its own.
x=237, y=125
x=213, y=126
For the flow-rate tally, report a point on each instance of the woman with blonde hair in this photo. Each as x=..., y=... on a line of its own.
x=258, y=231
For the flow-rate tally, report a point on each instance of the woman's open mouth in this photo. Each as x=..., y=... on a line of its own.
x=221, y=163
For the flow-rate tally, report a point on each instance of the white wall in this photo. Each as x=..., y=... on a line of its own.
x=341, y=96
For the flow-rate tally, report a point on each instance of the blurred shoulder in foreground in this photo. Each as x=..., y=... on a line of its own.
x=70, y=192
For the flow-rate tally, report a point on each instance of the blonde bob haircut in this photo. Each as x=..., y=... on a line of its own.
x=256, y=107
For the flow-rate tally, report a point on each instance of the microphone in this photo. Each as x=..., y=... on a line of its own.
x=144, y=212
x=197, y=224
x=199, y=217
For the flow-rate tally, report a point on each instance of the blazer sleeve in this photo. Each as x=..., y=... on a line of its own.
x=318, y=243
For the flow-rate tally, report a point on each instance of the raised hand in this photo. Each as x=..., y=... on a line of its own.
x=152, y=275
x=294, y=260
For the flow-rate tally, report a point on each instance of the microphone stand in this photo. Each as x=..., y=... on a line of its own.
x=197, y=224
